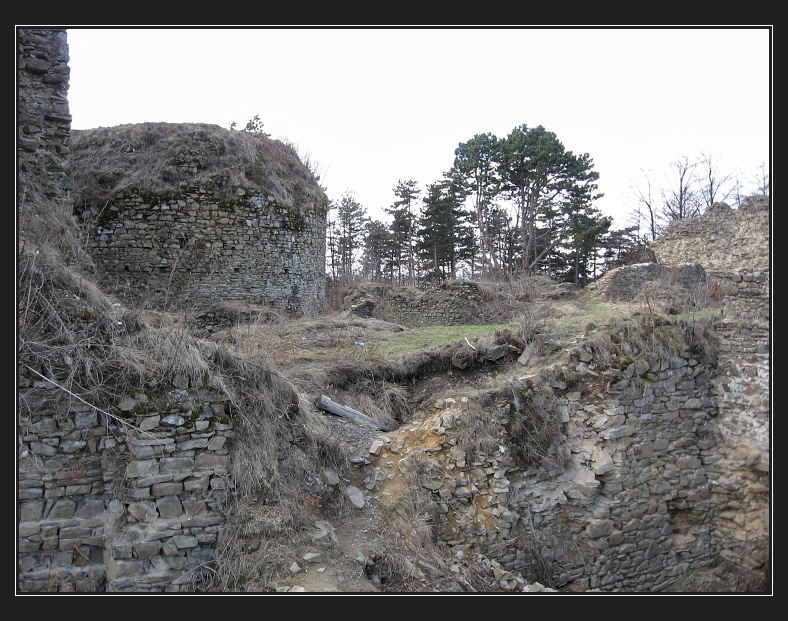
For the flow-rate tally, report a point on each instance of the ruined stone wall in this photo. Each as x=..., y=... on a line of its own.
x=742, y=392
x=667, y=465
x=734, y=246
x=638, y=511
x=632, y=496
x=699, y=252
x=195, y=248
x=126, y=504
x=44, y=121
x=130, y=503
x=453, y=303
x=629, y=282
x=133, y=503
x=623, y=504
x=723, y=240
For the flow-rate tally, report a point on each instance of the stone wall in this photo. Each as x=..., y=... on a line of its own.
x=624, y=501
x=734, y=247
x=122, y=504
x=453, y=303
x=43, y=117
x=699, y=254
x=133, y=503
x=723, y=240
x=195, y=248
x=742, y=393
x=665, y=467
x=668, y=460
x=649, y=474
x=627, y=283
x=128, y=503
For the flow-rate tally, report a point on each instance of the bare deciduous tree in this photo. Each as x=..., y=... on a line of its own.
x=681, y=198
x=687, y=190
x=716, y=187
x=763, y=179
x=645, y=215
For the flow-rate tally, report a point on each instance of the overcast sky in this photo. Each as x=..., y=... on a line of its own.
x=372, y=107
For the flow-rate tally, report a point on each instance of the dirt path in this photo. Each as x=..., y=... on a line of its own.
x=342, y=567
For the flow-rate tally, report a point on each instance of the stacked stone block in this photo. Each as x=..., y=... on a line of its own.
x=122, y=504
x=195, y=248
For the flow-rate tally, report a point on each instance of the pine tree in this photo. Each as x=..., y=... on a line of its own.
x=377, y=244
x=537, y=172
x=440, y=230
x=351, y=221
x=475, y=162
x=404, y=212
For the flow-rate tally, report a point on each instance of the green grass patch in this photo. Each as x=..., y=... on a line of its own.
x=428, y=337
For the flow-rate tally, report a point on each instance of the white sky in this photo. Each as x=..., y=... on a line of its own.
x=371, y=106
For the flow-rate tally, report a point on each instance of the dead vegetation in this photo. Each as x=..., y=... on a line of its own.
x=721, y=578
x=76, y=344
x=157, y=158
x=414, y=563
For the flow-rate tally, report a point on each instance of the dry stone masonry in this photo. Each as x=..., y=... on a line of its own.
x=44, y=121
x=130, y=507
x=664, y=465
x=625, y=504
x=452, y=303
x=197, y=247
x=632, y=282
x=133, y=503
x=725, y=241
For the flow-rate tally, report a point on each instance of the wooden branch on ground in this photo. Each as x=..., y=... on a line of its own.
x=324, y=403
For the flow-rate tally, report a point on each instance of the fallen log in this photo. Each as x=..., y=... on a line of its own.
x=324, y=403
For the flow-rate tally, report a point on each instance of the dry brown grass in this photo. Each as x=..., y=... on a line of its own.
x=534, y=429
x=724, y=577
x=78, y=347
x=480, y=429
x=76, y=344
x=652, y=338
x=66, y=327
x=159, y=157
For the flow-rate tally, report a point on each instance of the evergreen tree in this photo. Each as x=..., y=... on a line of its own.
x=400, y=232
x=626, y=247
x=332, y=246
x=377, y=244
x=404, y=212
x=503, y=238
x=586, y=242
x=537, y=172
x=475, y=162
x=440, y=229
x=351, y=221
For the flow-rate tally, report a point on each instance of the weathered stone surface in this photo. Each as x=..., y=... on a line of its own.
x=672, y=462
x=356, y=496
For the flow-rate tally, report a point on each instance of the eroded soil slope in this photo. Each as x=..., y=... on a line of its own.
x=396, y=375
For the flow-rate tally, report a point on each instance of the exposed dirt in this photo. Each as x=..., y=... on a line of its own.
x=364, y=551
x=368, y=552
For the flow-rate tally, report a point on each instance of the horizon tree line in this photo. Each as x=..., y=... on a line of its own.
x=522, y=204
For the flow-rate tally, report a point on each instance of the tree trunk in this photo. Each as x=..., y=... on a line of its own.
x=324, y=403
